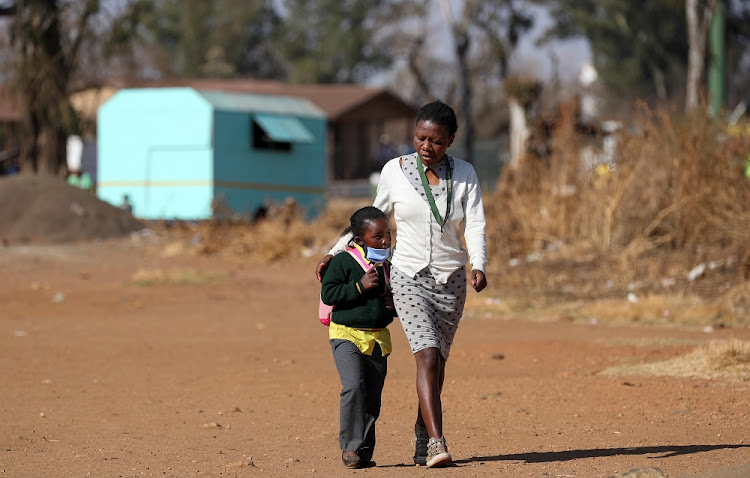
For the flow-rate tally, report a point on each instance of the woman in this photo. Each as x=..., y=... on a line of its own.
x=434, y=198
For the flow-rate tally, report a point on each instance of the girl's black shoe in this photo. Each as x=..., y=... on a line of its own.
x=350, y=459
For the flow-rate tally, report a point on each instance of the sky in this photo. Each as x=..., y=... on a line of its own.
x=571, y=54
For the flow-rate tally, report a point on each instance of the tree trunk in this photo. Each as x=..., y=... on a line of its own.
x=52, y=154
x=462, y=50
x=462, y=41
x=413, y=63
x=519, y=132
x=43, y=72
x=660, y=84
x=697, y=24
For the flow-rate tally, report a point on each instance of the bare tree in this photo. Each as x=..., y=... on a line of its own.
x=698, y=22
x=46, y=57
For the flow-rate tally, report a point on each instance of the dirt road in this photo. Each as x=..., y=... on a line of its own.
x=119, y=360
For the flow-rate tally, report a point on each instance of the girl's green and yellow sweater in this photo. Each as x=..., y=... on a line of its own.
x=341, y=288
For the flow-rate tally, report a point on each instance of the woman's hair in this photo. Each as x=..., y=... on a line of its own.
x=359, y=220
x=440, y=113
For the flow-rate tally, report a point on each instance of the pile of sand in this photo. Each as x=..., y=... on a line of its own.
x=44, y=209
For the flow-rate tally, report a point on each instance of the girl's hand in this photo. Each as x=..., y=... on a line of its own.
x=478, y=280
x=370, y=279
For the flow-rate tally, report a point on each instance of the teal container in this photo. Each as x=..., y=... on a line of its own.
x=186, y=154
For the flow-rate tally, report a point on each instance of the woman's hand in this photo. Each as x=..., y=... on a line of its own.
x=322, y=266
x=478, y=280
x=370, y=279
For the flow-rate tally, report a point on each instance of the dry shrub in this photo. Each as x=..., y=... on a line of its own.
x=729, y=360
x=728, y=355
x=736, y=304
x=282, y=233
x=673, y=197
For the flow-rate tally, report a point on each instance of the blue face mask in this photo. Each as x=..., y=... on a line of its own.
x=377, y=255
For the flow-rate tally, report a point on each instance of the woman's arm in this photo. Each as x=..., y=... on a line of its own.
x=475, y=232
x=337, y=248
x=383, y=196
x=475, y=225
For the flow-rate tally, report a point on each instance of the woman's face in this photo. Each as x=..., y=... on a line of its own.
x=431, y=141
x=378, y=234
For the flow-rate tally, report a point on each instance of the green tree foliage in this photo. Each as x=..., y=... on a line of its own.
x=334, y=41
x=198, y=38
x=638, y=47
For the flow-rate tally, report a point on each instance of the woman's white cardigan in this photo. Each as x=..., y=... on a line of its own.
x=419, y=240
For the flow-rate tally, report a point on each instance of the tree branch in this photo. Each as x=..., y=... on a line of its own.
x=413, y=65
x=92, y=6
x=7, y=10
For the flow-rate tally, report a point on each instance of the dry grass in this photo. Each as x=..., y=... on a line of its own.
x=726, y=360
x=157, y=277
x=649, y=310
x=660, y=309
x=651, y=341
x=643, y=473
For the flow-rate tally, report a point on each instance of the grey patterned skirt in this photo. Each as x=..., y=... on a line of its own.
x=429, y=312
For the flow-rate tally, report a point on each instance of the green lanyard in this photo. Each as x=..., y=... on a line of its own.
x=428, y=191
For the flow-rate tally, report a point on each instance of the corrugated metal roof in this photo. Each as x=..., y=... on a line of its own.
x=335, y=100
x=266, y=103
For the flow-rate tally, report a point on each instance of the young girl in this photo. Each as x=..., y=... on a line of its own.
x=356, y=284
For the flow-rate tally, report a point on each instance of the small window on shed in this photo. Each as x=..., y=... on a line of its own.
x=277, y=133
x=262, y=140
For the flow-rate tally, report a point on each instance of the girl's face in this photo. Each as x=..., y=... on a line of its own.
x=377, y=234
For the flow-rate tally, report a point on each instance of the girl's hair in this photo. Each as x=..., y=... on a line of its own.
x=359, y=220
x=440, y=113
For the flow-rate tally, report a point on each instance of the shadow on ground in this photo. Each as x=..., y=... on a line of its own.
x=567, y=455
